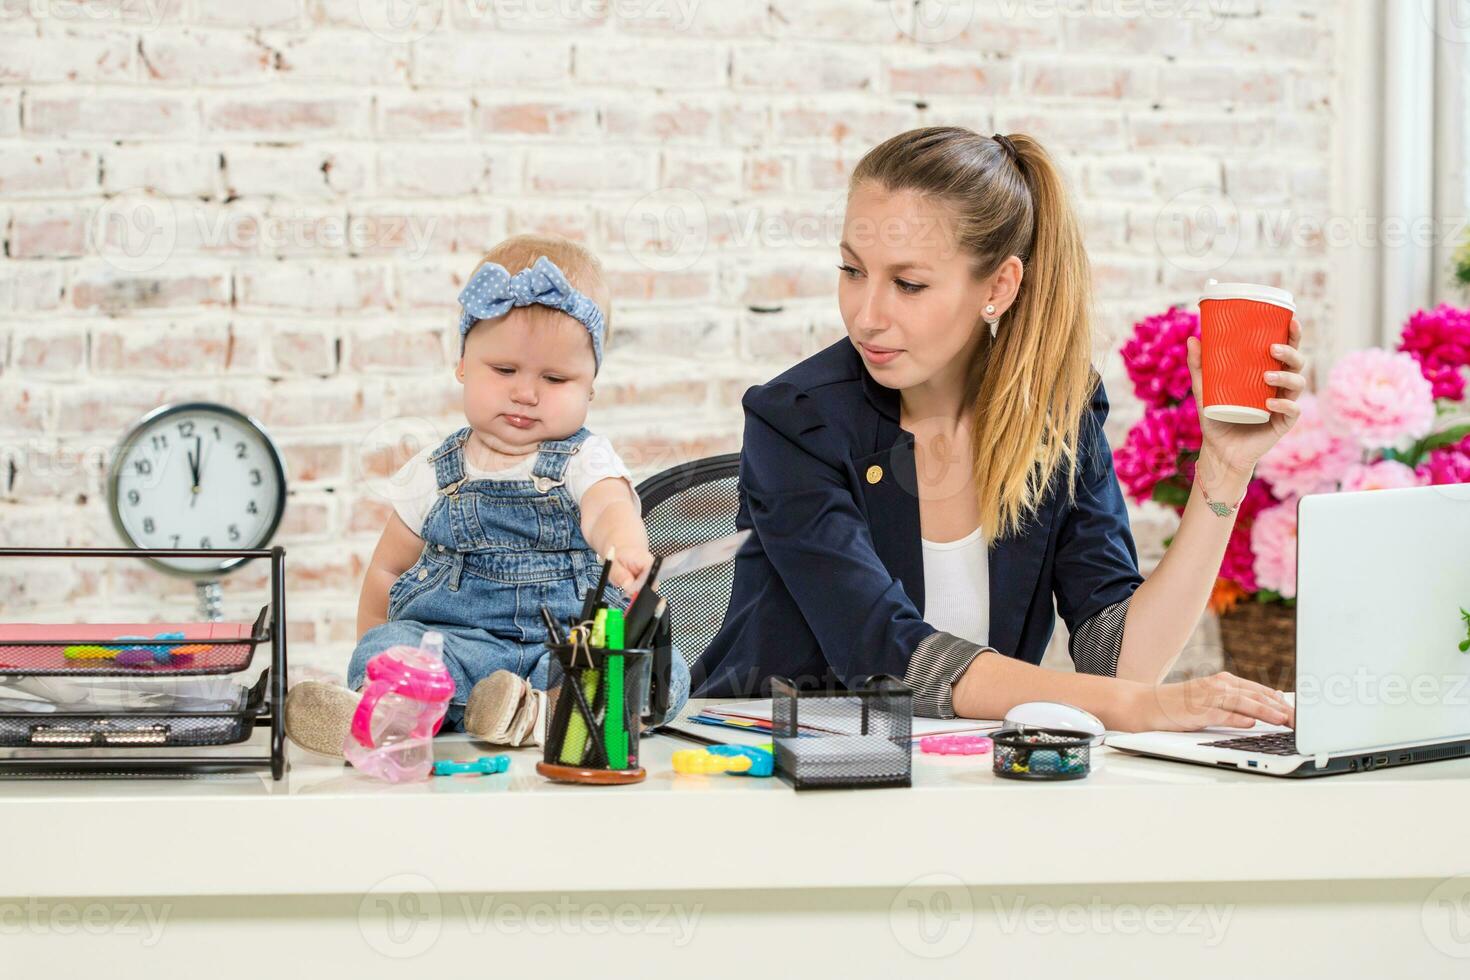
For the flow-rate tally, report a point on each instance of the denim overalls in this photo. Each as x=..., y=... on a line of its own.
x=494, y=552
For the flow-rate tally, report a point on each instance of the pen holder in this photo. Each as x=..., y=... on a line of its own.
x=1040, y=753
x=865, y=740
x=593, y=718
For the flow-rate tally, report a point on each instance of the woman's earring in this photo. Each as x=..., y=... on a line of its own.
x=991, y=319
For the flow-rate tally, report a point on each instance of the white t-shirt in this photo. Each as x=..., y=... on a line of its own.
x=957, y=587
x=415, y=487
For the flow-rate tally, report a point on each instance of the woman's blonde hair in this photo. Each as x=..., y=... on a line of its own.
x=1029, y=387
x=578, y=263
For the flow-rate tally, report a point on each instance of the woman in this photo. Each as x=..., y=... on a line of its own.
x=921, y=491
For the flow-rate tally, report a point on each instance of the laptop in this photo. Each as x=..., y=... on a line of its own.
x=1381, y=680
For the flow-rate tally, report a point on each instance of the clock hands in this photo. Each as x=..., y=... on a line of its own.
x=194, y=458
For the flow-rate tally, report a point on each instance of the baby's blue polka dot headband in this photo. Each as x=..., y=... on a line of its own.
x=492, y=292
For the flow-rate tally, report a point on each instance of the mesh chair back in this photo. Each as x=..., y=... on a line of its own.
x=684, y=506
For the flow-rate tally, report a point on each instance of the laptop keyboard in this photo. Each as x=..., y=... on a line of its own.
x=1275, y=743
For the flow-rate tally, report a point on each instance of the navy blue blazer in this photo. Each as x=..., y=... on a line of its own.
x=829, y=587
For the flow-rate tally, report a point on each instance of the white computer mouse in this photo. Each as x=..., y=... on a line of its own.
x=1054, y=714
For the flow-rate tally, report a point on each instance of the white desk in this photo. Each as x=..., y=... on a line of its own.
x=1144, y=862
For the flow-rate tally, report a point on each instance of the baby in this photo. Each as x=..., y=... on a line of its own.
x=508, y=514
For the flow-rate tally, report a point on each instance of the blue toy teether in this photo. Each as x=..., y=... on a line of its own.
x=485, y=765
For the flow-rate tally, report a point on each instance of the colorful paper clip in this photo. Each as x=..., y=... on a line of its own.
x=485, y=765
x=954, y=745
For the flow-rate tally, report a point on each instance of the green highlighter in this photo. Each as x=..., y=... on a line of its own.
x=615, y=735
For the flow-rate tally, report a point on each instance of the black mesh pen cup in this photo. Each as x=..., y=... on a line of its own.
x=593, y=719
x=1041, y=753
x=843, y=739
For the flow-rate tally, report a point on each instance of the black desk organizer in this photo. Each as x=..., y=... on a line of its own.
x=869, y=743
x=135, y=729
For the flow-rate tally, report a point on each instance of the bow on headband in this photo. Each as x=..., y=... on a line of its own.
x=492, y=292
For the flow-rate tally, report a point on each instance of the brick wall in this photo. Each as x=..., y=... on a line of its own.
x=273, y=204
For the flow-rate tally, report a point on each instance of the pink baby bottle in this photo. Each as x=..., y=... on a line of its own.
x=408, y=690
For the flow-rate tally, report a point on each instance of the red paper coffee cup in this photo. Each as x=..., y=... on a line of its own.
x=1238, y=323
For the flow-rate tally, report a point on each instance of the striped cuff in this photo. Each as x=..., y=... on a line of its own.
x=937, y=662
x=1096, y=644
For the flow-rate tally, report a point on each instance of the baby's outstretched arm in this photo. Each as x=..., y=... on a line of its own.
x=610, y=519
x=395, y=554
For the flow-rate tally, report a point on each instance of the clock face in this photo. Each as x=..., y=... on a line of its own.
x=198, y=476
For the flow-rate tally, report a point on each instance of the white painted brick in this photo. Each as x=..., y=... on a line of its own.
x=9, y=113
x=1065, y=130
x=67, y=56
x=197, y=57
x=186, y=172
x=1052, y=77
x=505, y=63
x=312, y=287
x=29, y=170
x=948, y=75
x=422, y=116
x=337, y=59
x=27, y=287
x=803, y=68
x=694, y=18
x=839, y=20
x=293, y=117
x=447, y=171
x=297, y=171
x=53, y=114
x=640, y=65
x=561, y=172
x=256, y=13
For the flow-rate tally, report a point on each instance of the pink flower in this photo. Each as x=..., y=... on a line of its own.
x=1273, y=539
x=1448, y=464
x=1150, y=453
x=1386, y=474
x=1239, y=563
x=1310, y=458
x=1157, y=358
x=1439, y=340
x=1379, y=397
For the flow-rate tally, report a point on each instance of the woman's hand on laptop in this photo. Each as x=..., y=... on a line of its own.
x=1221, y=699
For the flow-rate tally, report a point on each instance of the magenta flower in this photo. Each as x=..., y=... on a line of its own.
x=1439, y=340
x=1386, y=474
x=1157, y=358
x=1150, y=453
x=1448, y=464
x=1379, y=397
x=1310, y=458
x=1273, y=539
x=1238, y=564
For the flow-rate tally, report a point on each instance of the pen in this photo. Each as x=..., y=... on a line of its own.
x=594, y=596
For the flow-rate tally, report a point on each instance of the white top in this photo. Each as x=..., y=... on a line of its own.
x=414, y=486
x=957, y=587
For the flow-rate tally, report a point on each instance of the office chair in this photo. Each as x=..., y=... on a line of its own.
x=683, y=506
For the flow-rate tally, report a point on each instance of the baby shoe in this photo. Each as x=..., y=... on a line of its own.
x=504, y=709
x=319, y=716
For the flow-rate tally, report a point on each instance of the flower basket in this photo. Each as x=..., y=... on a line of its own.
x=1259, y=641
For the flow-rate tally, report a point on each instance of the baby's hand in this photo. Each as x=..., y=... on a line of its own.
x=629, y=565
